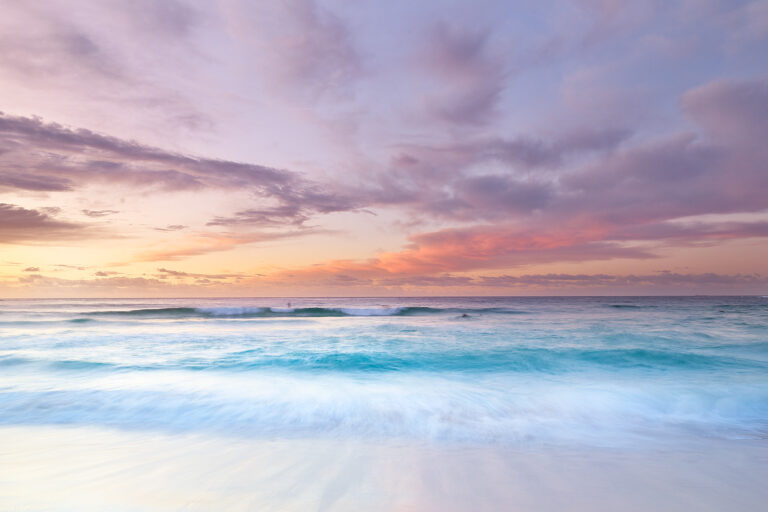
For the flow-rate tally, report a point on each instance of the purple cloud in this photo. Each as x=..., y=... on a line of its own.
x=172, y=227
x=98, y=213
x=468, y=76
x=300, y=47
x=19, y=225
x=51, y=157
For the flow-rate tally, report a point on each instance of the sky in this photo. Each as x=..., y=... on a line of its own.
x=366, y=148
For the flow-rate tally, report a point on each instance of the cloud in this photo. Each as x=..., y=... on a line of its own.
x=111, y=284
x=285, y=214
x=719, y=170
x=299, y=47
x=467, y=76
x=580, y=195
x=172, y=227
x=747, y=22
x=661, y=280
x=591, y=211
x=32, y=269
x=597, y=177
x=434, y=254
x=98, y=213
x=102, y=53
x=664, y=179
x=310, y=199
x=167, y=19
x=49, y=157
x=610, y=17
x=44, y=183
x=484, y=178
x=85, y=155
x=699, y=233
x=664, y=282
x=731, y=112
x=71, y=267
x=574, y=211
x=521, y=152
x=427, y=281
x=22, y=225
x=164, y=273
x=52, y=47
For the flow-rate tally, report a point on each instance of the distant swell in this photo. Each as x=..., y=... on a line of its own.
x=264, y=312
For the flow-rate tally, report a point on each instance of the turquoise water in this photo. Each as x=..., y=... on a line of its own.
x=514, y=371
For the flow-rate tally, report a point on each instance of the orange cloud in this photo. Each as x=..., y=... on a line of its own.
x=467, y=249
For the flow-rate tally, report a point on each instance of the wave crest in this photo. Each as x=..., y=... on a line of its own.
x=266, y=312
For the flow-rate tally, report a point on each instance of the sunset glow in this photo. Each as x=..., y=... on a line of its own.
x=234, y=148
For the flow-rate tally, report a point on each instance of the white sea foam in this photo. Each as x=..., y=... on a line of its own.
x=418, y=407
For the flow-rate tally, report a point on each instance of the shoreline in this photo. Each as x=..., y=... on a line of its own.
x=90, y=468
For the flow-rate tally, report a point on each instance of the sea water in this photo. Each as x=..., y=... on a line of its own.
x=454, y=380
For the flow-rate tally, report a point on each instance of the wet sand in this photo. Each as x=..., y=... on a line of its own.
x=94, y=469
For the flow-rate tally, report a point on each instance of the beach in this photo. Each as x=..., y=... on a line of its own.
x=86, y=469
x=384, y=404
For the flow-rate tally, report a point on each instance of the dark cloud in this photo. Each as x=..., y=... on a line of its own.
x=32, y=269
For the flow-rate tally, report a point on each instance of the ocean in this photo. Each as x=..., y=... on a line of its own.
x=384, y=403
